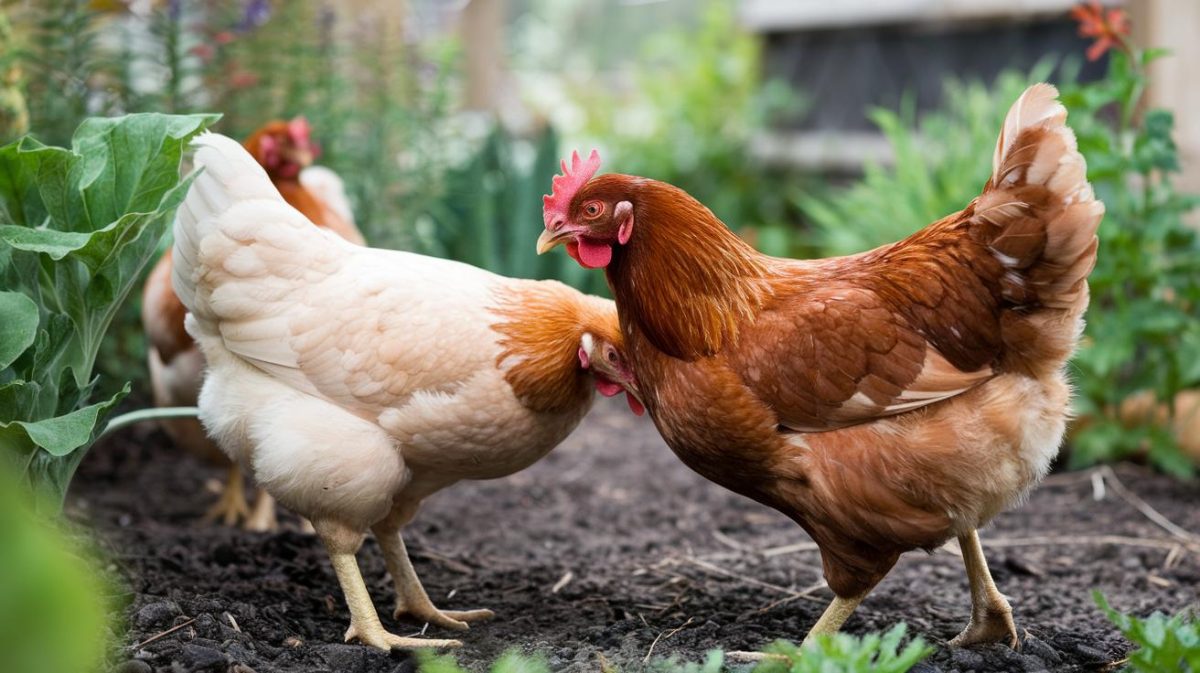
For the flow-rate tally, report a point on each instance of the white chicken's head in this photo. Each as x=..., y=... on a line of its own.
x=610, y=369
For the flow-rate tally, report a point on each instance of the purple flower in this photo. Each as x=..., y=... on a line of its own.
x=256, y=14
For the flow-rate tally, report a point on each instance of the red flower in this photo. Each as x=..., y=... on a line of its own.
x=204, y=51
x=223, y=37
x=243, y=79
x=1109, y=28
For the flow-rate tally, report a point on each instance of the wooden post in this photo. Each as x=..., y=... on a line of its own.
x=1174, y=25
x=482, y=30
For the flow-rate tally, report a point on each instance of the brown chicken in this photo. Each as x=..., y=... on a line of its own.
x=885, y=401
x=286, y=150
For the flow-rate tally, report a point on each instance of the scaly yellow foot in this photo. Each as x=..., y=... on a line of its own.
x=457, y=620
x=231, y=506
x=262, y=518
x=994, y=624
x=375, y=636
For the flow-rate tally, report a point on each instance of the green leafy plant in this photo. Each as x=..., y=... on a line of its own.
x=844, y=653
x=839, y=653
x=509, y=662
x=1143, y=332
x=77, y=227
x=714, y=662
x=53, y=612
x=1164, y=643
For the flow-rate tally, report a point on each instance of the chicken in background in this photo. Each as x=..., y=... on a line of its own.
x=885, y=401
x=286, y=150
x=355, y=382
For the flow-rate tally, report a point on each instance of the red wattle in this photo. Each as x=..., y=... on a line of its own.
x=634, y=406
x=607, y=388
x=573, y=251
x=594, y=254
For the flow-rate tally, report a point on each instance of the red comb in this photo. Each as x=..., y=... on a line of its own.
x=554, y=204
x=299, y=130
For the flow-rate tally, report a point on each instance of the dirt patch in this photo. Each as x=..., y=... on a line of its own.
x=637, y=546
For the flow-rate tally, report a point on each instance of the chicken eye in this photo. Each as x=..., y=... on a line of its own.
x=612, y=356
x=593, y=208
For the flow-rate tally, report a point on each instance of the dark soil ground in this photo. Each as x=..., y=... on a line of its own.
x=608, y=549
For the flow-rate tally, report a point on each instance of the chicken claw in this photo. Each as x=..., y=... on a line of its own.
x=231, y=506
x=991, y=627
x=455, y=620
x=261, y=518
x=377, y=637
x=411, y=599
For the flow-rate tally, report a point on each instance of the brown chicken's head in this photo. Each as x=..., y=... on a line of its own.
x=284, y=148
x=588, y=215
x=603, y=358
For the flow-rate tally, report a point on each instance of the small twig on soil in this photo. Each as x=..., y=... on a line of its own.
x=740, y=657
x=1145, y=508
x=1172, y=558
x=1121, y=540
x=748, y=580
x=562, y=582
x=1097, y=486
x=730, y=542
x=664, y=635
x=163, y=634
x=233, y=622
x=790, y=549
x=456, y=566
x=803, y=593
x=1115, y=665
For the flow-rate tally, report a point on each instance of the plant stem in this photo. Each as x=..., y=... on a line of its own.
x=141, y=415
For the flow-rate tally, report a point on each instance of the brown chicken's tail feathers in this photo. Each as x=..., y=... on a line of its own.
x=1043, y=212
x=232, y=214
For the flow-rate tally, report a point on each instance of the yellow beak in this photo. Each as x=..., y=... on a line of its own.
x=549, y=239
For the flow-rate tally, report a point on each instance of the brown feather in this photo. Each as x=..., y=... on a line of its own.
x=541, y=324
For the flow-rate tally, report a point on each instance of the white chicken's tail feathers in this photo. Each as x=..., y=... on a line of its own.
x=232, y=219
x=1042, y=213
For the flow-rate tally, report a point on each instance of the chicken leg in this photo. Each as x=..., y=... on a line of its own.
x=261, y=518
x=342, y=543
x=231, y=506
x=834, y=616
x=830, y=623
x=411, y=598
x=991, y=615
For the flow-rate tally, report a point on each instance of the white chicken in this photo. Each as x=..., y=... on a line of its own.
x=354, y=382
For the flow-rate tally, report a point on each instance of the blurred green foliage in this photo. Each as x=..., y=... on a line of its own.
x=1142, y=331
x=53, y=615
x=1165, y=644
x=1143, y=328
x=509, y=662
x=77, y=227
x=941, y=161
x=696, y=131
x=838, y=653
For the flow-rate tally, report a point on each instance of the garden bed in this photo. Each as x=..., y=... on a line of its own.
x=610, y=549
